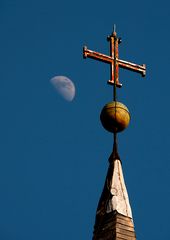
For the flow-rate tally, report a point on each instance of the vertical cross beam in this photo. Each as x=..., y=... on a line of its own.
x=114, y=66
x=114, y=60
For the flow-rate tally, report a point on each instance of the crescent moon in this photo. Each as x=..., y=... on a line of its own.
x=64, y=86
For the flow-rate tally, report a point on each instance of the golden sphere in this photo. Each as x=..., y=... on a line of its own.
x=115, y=117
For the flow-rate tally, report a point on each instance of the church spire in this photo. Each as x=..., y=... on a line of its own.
x=114, y=216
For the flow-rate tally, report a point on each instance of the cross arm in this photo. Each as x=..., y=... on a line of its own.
x=95, y=55
x=132, y=66
x=108, y=59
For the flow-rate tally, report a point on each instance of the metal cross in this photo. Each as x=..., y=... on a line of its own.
x=114, y=60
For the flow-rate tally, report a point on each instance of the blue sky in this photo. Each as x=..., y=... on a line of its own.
x=53, y=153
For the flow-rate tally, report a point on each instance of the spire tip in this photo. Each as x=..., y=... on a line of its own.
x=114, y=28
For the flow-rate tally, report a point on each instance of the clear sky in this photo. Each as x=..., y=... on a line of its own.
x=54, y=153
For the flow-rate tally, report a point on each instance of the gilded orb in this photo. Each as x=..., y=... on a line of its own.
x=115, y=117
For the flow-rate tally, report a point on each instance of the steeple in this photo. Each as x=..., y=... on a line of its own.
x=114, y=216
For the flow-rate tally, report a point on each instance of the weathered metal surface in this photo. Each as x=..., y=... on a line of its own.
x=114, y=60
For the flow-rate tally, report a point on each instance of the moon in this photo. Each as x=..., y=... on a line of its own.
x=64, y=86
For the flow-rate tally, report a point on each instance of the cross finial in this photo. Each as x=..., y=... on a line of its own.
x=114, y=60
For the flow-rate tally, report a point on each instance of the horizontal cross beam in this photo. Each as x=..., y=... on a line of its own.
x=108, y=59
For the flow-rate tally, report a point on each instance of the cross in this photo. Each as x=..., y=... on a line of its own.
x=114, y=60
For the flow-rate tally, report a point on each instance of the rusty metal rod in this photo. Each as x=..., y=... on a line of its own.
x=115, y=75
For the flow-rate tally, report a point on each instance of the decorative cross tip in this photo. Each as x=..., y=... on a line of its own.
x=113, y=60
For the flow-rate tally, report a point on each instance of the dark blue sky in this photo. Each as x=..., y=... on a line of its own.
x=53, y=153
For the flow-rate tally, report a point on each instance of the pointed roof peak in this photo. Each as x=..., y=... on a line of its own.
x=114, y=155
x=114, y=214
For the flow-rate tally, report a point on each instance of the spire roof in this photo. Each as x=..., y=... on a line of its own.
x=114, y=216
x=119, y=200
